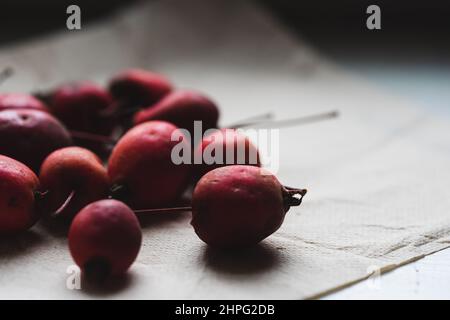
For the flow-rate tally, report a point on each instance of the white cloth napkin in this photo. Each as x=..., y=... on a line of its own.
x=378, y=176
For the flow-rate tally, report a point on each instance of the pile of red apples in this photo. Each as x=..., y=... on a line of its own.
x=96, y=159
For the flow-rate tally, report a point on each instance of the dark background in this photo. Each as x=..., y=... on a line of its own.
x=24, y=19
x=411, y=29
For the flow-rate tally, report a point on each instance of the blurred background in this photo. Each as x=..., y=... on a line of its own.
x=413, y=25
x=410, y=55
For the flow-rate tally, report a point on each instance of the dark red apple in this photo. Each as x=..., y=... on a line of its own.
x=20, y=101
x=73, y=178
x=18, y=190
x=139, y=88
x=104, y=239
x=141, y=164
x=29, y=136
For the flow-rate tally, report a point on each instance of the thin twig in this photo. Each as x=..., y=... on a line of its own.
x=64, y=205
x=92, y=136
x=251, y=120
x=296, y=121
x=162, y=210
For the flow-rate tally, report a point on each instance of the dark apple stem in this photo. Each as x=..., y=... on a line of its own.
x=251, y=120
x=294, y=121
x=119, y=192
x=111, y=110
x=119, y=109
x=92, y=137
x=39, y=195
x=127, y=112
x=5, y=74
x=44, y=96
x=162, y=210
x=291, y=199
x=64, y=205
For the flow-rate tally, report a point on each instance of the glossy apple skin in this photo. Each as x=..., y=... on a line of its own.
x=182, y=108
x=141, y=161
x=29, y=136
x=139, y=88
x=226, y=139
x=72, y=169
x=105, y=236
x=85, y=107
x=18, y=185
x=237, y=206
x=21, y=101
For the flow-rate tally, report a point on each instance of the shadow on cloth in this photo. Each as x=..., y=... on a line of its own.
x=109, y=287
x=20, y=244
x=253, y=260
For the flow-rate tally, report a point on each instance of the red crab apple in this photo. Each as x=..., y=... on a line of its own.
x=138, y=88
x=182, y=108
x=29, y=136
x=20, y=101
x=73, y=177
x=238, y=206
x=87, y=108
x=19, y=189
x=105, y=239
x=141, y=169
x=224, y=147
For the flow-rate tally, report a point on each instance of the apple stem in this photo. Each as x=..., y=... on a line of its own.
x=92, y=136
x=44, y=96
x=294, y=121
x=111, y=110
x=65, y=204
x=119, y=192
x=162, y=210
x=251, y=120
x=290, y=199
x=119, y=109
x=5, y=74
x=39, y=195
